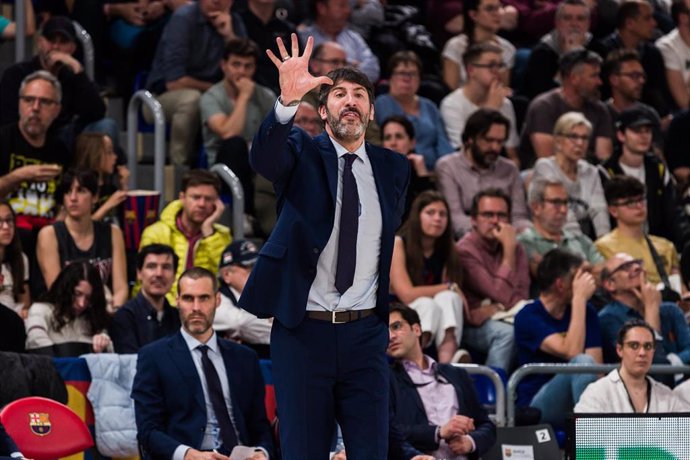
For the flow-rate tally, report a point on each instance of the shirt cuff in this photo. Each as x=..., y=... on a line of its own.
x=264, y=451
x=180, y=452
x=474, y=446
x=284, y=113
x=16, y=455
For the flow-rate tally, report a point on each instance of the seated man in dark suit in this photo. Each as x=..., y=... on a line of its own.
x=197, y=396
x=451, y=423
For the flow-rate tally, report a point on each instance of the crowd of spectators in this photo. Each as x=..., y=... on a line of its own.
x=548, y=201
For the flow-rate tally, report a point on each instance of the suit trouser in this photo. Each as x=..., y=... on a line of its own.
x=325, y=372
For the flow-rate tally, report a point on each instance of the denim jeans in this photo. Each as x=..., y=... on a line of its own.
x=496, y=339
x=558, y=396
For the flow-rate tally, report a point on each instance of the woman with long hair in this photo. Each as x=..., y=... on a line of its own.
x=81, y=237
x=405, y=70
x=482, y=23
x=587, y=209
x=14, y=274
x=426, y=273
x=94, y=152
x=71, y=318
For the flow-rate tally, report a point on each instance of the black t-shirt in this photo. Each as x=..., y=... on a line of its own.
x=33, y=202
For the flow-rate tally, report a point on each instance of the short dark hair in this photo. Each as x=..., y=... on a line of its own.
x=85, y=178
x=157, y=249
x=492, y=192
x=410, y=316
x=629, y=9
x=621, y=186
x=555, y=264
x=630, y=324
x=616, y=58
x=475, y=51
x=197, y=273
x=402, y=121
x=241, y=46
x=480, y=122
x=349, y=74
x=678, y=7
x=572, y=60
x=196, y=177
x=404, y=57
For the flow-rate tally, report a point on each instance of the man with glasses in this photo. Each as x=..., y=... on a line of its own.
x=434, y=404
x=560, y=326
x=483, y=88
x=461, y=175
x=495, y=274
x=633, y=297
x=579, y=92
x=548, y=200
x=627, y=202
x=634, y=130
x=629, y=389
x=31, y=161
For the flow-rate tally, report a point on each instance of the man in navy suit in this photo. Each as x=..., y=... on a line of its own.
x=324, y=272
x=197, y=396
x=434, y=405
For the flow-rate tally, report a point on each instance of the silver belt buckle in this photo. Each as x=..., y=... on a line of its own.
x=333, y=320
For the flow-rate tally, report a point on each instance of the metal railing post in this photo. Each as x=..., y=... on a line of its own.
x=574, y=368
x=237, y=191
x=144, y=97
x=498, y=385
x=20, y=31
x=87, y=44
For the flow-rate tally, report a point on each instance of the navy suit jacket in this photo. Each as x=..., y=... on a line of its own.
x=169, y=401
x=7, y=445
x=304, y=173
x=410, y=416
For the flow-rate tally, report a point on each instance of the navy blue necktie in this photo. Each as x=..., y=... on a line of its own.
x=349, y=221
x=215, y=390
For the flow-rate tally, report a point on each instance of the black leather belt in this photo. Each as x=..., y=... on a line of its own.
x=340, y=317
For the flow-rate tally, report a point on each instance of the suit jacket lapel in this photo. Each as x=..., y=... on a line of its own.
x=182, y=358
x=410, y=389
x=330, y=162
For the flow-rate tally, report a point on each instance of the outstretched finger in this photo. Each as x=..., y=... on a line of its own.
x=295, y=45
x=281, y=49
x=273, y=58
x=323, y=81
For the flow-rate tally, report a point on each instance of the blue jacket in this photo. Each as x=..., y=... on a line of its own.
x=304, y=173
x=411, y=418
x=169, y=401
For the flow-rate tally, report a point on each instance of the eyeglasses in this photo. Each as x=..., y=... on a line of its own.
x=556, y=202
x=42, y=101
x=575, y=17
x=490, y=65
x=634, y=75
x=627, y=267
x=9, y=222
x=403, y=74
x=633, y=345
x=491, y=8
x=333, y=62
x=632, y=202
x=491, y=215
x=574, y=138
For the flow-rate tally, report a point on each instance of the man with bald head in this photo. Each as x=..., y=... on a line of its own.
x=633, y=296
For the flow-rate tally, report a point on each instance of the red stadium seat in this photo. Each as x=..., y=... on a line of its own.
x=44, y=429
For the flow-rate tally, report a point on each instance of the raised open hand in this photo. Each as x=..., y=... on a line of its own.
x=293, y=70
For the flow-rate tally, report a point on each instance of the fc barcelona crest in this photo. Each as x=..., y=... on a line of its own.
x=39, y=422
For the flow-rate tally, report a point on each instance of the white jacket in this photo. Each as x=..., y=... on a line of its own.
x=608, y=395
